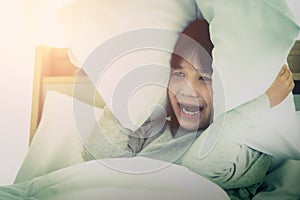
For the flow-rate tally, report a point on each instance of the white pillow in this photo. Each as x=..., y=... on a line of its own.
x=251, y=42
x=57, y=143
x=126, y=36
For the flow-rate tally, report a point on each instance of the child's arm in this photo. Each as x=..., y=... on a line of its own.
x=220, y=153
x=281, y=87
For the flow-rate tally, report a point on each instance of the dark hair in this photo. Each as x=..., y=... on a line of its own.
x=198, y=31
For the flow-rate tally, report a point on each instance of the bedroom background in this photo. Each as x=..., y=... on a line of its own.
x=24, y=24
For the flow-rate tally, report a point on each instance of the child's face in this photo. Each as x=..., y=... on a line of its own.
x=190, y=95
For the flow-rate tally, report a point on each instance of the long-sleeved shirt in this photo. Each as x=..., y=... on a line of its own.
x=217, y=153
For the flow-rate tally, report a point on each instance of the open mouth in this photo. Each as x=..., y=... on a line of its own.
x=190, y=111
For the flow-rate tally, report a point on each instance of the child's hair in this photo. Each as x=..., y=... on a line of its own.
x=194, y=45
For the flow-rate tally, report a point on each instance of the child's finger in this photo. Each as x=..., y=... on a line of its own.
x=290, y=79
x=286, y=73
x=289, y=73
x=288, y=69
x=282, y=71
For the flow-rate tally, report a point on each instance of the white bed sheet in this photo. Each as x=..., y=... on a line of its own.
x=93, y=180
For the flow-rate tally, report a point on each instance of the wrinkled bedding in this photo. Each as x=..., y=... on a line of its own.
x=151, y=179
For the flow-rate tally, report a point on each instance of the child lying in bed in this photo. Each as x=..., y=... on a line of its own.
x=181, y=139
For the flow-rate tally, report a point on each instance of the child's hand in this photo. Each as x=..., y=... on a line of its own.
x=281, y=87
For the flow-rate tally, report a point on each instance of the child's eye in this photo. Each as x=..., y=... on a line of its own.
x=205, y=78
x=178, y=74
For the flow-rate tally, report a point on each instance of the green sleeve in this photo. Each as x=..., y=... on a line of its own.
x=220, y=154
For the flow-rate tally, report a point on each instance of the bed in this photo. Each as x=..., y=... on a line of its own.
x=53, y=167
x=54, y=80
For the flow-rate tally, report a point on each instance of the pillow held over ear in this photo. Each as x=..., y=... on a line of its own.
x=251, y=42
x=112, y=40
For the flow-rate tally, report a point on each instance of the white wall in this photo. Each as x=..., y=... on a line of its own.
x=16, y=66
x=18, y=38
x=21, y=30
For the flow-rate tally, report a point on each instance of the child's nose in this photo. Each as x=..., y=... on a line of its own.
x=189, y=90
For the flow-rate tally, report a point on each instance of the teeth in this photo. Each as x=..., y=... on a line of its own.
x=190, y=112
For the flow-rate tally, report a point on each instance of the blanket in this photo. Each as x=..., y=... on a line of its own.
x=100, y=180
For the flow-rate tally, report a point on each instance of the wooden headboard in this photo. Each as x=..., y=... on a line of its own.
x=54, y=71
x=294, y=60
